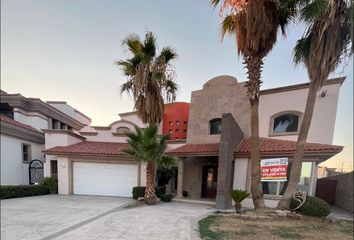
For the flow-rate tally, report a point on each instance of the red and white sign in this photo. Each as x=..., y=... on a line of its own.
x=274, y=169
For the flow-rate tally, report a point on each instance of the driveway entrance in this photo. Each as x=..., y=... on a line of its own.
x=94, y=217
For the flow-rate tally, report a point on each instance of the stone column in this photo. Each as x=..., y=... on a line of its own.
x=180, y=177
x=231, y=136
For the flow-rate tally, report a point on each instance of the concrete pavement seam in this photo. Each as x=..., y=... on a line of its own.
x=87, y=221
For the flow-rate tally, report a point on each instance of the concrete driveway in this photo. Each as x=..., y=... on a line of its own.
x=92, y=217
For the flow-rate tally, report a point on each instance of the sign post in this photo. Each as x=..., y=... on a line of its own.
x=274, y=170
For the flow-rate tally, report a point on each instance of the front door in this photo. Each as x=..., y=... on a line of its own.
x=209, y=181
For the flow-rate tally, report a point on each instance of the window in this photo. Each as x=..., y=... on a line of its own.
x=285, y=123
x=26, y=153
x=215, y=126
x=6, y=110
x=122, y=130
x=185, y=122
x=54, y=168
x=278, y=188
x=170, y=123
x=177, y=123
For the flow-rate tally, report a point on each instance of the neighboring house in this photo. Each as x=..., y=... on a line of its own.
x=324, y=172
x=215, y=154
x=23, y=121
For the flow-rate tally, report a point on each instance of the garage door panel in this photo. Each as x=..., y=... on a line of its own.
x=104, y=179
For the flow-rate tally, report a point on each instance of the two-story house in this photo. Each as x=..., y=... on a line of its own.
x=214, y=157
x=23, y=123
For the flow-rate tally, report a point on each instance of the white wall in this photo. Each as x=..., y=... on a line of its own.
x=70, y=111
x=323, y=122
x=240, y=173
x=13, y=171
x=134, y=119
x=59, y=139
x=33, y=119
x=63, y=175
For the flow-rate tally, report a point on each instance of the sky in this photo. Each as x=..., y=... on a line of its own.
x=65, y=51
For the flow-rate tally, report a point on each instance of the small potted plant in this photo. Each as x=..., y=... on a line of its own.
x=238, y=196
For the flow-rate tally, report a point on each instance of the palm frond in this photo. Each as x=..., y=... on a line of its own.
x=314, y=10
x=215, y=3
x=302, y=49
x=133, y=43
x=228, y=25
x=168, y=54
x=149, y=46
x=149, y=76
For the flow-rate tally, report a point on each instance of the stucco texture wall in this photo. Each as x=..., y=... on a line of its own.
x=222, y=94
x=13, y=170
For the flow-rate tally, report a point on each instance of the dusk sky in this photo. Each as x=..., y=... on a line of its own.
x=65, y=51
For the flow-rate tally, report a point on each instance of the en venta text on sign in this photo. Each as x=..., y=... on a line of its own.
x=274, y=169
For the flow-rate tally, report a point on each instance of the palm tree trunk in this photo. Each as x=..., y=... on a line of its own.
x=296, y=165
x=150, y=196
x=254, y=66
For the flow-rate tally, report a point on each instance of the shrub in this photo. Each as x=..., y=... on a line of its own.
x=140, y=191
x=160, y=190
x=238, y=196
x=313, y=206
x=51, y=183
x=22, y=191
x=166, y=197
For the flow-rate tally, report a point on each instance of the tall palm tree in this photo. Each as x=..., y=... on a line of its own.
x=150, y=81
x=145, y=145
x=150, y=76
x=255, y=24
x=327, y=39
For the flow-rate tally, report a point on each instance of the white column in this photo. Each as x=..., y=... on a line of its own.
x=313, y=182
x=180, y=177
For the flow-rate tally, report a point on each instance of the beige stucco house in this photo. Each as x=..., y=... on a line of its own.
x=215, y=155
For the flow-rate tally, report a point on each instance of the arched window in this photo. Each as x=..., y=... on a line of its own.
x=122, y=130
x=285, y=123
x=215, y=126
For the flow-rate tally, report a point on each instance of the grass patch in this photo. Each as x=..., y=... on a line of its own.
x=205, y=228
x=229, y=226
x=287, y=233
x=345, y=227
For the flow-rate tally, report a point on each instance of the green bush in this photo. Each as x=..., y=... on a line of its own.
x=313, y=206
x=160, y=190
x=166, y=197
x=22, y=191
x=51, y=183
x=140, y=191
x=238, y=195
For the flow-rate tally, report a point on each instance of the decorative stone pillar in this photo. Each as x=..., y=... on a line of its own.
x=180, y=177
x=231, y=136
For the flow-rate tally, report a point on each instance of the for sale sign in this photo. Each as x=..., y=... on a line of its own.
x=274, y=169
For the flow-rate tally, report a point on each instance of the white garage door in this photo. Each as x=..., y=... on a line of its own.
x=104, y=179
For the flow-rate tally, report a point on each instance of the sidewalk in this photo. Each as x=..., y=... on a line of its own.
x=340, y=214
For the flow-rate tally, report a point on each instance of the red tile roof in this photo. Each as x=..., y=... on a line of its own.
x=196, y=149
x=270, y=145
x=5, y=119
x=90, y=148
x=267, y=146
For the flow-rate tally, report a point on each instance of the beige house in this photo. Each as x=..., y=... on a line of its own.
x=215, y=155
